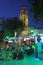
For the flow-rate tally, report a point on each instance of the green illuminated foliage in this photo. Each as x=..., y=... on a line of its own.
x=7, y=37
x=11, y=25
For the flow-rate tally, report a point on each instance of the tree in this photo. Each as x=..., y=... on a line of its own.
x=1, y=36
x=11, y=25
x=37, y=8
x=2, y=19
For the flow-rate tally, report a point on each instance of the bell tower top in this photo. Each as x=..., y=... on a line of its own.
x=23, y=7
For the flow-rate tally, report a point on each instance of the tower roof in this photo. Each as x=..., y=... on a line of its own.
x=23, y=7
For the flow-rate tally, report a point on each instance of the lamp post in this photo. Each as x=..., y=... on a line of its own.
x=32, y=32
x=15, y=34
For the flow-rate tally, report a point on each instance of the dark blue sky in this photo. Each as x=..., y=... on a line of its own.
x=12, y=8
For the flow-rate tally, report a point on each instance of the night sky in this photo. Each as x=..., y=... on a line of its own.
x=12, y=8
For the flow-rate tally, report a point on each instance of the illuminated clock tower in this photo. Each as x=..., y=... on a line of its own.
x=24, y=18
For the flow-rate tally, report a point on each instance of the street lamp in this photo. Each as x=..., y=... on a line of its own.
x=15, y=34
x=32, y=31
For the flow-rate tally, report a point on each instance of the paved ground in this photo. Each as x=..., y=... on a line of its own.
x=28, y=60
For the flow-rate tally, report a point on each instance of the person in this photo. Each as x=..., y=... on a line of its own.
x=15, y=54
x=39, y=48
x=36, y=46
x=20, y=55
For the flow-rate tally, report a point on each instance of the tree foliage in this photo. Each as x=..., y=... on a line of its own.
x=11, y=25
x=1, y=36
x=37, y=8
